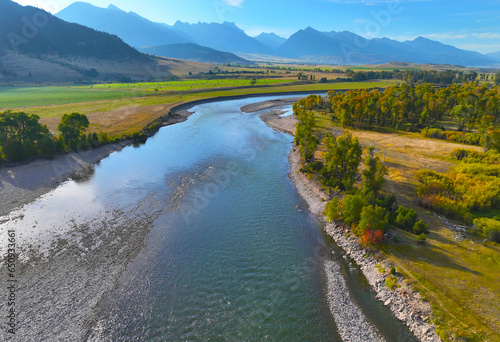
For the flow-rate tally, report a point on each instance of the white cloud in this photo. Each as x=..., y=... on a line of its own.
x=234, y=3
x=463, y=35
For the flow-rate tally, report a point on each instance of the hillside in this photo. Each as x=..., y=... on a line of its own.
x=132, y=28
x=197, y=53
x=47, y=34
x=64, y=52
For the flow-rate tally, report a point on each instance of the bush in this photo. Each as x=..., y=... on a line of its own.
x=420, y=228
x=332, y=210
x=372, y=218
x=393, y=270
x=48, y=147
x=405, y=218
x=422, y=239
x=317, y=166
x=391, y=282
x=15, y=151
x=434, y=133
x=352, y=205
x=487, y=226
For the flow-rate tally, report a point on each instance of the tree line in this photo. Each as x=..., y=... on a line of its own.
x=23, y=137
x=412, y=77
x=416, y=105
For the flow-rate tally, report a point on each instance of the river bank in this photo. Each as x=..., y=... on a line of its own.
x=406, y=304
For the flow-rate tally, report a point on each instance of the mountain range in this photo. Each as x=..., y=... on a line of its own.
x=308, y=45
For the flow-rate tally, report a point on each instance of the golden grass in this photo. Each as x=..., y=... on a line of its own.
x=130, y=114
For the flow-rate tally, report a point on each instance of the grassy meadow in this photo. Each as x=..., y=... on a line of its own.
x=124, y=108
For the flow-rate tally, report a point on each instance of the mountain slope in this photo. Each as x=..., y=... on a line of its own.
x=437, y=52
x=194, y=52
x=312, y=45
x=270, y=40
x=131, y=27
x=494, y=55
x=46, y=34
x=224, y=37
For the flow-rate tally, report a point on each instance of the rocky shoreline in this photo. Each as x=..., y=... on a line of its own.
x=405, y=303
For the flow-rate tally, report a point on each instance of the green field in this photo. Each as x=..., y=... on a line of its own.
x=18, y=97
x=56, y=101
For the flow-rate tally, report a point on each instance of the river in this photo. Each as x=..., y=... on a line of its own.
x=225, y=249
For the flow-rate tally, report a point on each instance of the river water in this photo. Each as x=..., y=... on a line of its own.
x=232, y=253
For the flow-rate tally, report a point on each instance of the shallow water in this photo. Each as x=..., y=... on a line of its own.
x=232, y=254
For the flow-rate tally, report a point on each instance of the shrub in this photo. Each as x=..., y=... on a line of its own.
x=420, y=228
x=48, y=147
x=405, y=218
x=372, y=237
x=434, y=133
x=15, y=151
x=487, y=226
x=332, y=209
x=372, y=218
x=317, y=166
x=391, y=282
x=393, y=270
x=422, y=239
x=352, y=205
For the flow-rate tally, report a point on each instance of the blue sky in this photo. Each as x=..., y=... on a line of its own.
x=467, y=24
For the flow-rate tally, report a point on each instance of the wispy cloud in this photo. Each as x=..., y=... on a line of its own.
x=463, y=35
x=234, y=3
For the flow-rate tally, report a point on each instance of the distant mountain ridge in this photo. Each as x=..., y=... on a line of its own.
x=494, y=55
x=131, y=27
x=307, y=45
x=196, y=53
x=225, y=37
x=349, y=48
x=271, y=40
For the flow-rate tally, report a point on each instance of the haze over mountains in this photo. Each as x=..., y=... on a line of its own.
x=308, y=45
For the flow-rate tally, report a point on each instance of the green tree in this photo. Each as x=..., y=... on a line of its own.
x=420, y=228
x=21, y=127
x=352, y=206
x=304, y=134
x=333, y=209
x=342, y=159
x=497, y=78
x=372, y=218
x=20, y=134
x=72, y=127
x=373, y=175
